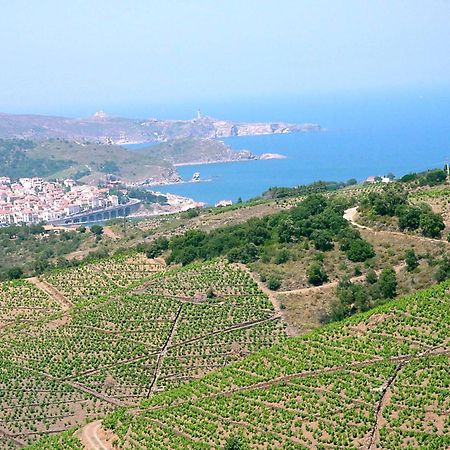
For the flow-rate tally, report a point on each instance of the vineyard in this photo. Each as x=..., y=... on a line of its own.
x=81, y=342
x=379, y=380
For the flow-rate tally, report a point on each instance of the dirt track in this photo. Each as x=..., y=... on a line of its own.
x=89, y=436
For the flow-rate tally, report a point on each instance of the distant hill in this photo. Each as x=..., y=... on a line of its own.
x=93, y=161
x=90, y=162
x=16, y=161
x=118, y=130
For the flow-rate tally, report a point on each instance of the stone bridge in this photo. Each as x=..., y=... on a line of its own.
x=100, y=215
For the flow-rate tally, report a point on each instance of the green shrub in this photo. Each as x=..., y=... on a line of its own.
x=317, y=275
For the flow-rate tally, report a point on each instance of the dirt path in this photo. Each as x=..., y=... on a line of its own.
x=333, y=284
x=401, y=360
x=92, y=437
x=386, y=393
x=351, y=215
x=94, y=393
x=238, y=326
x=384, y=400
x=52, y=292
x=107, y=231
x=8, y=436
x=163, y=353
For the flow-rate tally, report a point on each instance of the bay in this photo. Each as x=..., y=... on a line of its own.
x=365, y=136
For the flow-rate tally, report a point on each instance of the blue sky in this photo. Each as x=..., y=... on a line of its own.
x=77, y=56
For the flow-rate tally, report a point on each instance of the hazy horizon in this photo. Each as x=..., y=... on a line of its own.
x=73, y=59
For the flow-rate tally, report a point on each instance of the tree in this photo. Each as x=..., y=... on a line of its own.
x=409, y=177
x=97, y=230
x=317, y=275
x=360, y=250
x=323, y=240
x=431, y=224
x=157, y=247
x=14, y=273
x=388, y=283
x=409, y=217
x=443, y=271
x=187, y=255
x=245, y=254
x=391, y=176
x=285, y=230
x=411, y=260
x=385, y=203
x=435, y=176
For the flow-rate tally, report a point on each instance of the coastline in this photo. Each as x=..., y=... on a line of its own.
x=176, y=183
x=262, y=157
x=219, y=161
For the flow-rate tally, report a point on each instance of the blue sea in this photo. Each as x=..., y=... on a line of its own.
x=366, y=134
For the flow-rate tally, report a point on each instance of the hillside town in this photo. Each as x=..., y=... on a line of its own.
x=34, y=200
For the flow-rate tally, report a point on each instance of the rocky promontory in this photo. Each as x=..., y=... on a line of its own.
x=103, y=128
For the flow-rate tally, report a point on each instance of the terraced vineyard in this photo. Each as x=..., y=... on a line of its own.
x=134, y=329
x=376, y=381
x=22, y=301
x=93, y=281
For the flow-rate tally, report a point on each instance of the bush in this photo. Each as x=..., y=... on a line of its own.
x=281, y=256
x=14, y=273
x=97, y=230
x=317, y=275
x=443, y=272
x=411, y=260
x=157, y=247
x=359, y=250
x=435, y=176
x=323, y=240
x=273, y=283
x=387, y=283
x=409, y=217
x=431, y=224
x=371, y=277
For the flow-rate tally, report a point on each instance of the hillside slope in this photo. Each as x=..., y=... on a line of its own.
x=79, y=342
x=193, y=150
x=15, y=160
x=379, y=380
x=96, y=160
x=90, y=162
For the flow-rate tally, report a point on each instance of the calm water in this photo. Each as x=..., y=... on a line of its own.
x=366, y=136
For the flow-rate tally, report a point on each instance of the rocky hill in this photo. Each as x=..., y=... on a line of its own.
x=103, y=128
